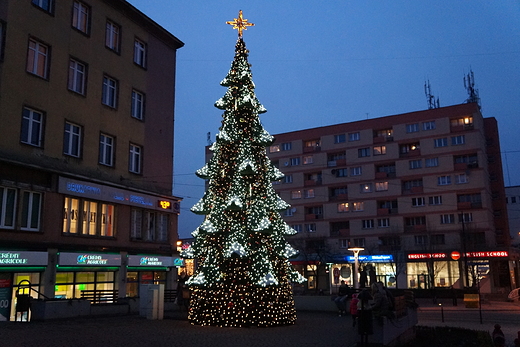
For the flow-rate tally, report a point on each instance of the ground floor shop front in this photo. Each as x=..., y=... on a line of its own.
x=490, y=271
x=27, y=275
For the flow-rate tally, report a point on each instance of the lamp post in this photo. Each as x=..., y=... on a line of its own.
x=356, y=251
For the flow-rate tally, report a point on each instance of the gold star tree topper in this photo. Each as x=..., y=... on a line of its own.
x=240, y=24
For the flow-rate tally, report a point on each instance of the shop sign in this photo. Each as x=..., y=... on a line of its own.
x=492, y=254
x=178, y=262
x=455, y=255
x=8, y=258
x=115, y=195
x=418, y=256
x=383, y=258
x=89, y=259
x=149, y=260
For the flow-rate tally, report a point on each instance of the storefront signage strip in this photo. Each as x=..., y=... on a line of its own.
x=486, y=254
x=384, y=258
x=149, y=260
x=9, y=258
x=88, y=259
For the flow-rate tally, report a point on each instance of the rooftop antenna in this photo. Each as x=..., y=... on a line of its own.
x=469, y=84
x=432, y=102
x=209, y=138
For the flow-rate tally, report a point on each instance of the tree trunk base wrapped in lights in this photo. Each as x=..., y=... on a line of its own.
x=243, y=275
x=234, y=302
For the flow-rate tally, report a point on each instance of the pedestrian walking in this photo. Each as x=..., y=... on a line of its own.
x=354, y=308
x=498, y=336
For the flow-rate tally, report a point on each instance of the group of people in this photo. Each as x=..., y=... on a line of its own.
x=378, y=300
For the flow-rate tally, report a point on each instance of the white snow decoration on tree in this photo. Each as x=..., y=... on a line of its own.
x=219, y=103
x=268, y=280
x=234, y=203
x=224, y=136
x=289, y=231
x=281, y=205
x=290, y=251
x=238, y=249
x=188, y=252
x=277, y=174
x=197, y=280
x=203, y=172
x=264, y=224
x=198, y=208
x=248, y=162
x=208, y=226
x=265, y=137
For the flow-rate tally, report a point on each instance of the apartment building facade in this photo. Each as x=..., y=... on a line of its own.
x=87, y=92
x=421, y=193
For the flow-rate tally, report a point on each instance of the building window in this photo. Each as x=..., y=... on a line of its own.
x=308, y=193
x=513, y=199
x=137, y=104
x=339, y=138
x=77, y=76
x=342, y=172
x=443, y=180
x=355, y=171
x=109, y=96
x=310, y=228
x=363, y=152
x=288, y=213
x=140, y=53
x=296, y=194
x=7, y=207
x=470, y=159
x=384, y=133
x=465, y=121
x=30, y=213
x=437, y=239
x=465, y=217
x=38, y=58
x=447, y=218
x=379, y=150
x=343, y=207
x=458, y=140
x=287, y=146
x=415, y=164
x=411, y=221
x=421, y=240
x=367, y=224
x=297, y=227
x=32, y=125
x=134, y=162
x=381, y=186
x=409, y=147
x=431, y=162
x=343, y=243
x=106, y=150
x=353, y=137
x=81, y=17
x=358, y=206
x=429, y=125
x=461, y=178
x=417, y=202
x=87, y=217
x=443, y=142
x=112, y=36
x=307, y=160
x=360, y=242
x=383, y=223
x=46, y=5
x=408, y=185
x=148, y=226
x=274, y=148
x=412, y=128
x=435, y=200
x=295, y=161
x=365, y=188
x=474, y=199
x=72, y=140
x=287, y=179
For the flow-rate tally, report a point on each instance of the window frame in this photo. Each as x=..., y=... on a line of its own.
x=355, y=136
x=27, y=216
x=81, y=12
x=72, y=81
x=135, y=161
x=458, y=140
x=103, y=146
x=440, y=142
x=140, y=53
x=412, y=128
x=113, y=37
x=356, y=171
x=381, y=186
x=40, y=5
x=435, y=200
x=137, y=109
x=430, y=125
x=444, y=180
x=109, y=93
x=364, y=152
x=8, y=207
x=431, y=162
x=30, y=127
x=379, y=150
x=72, y=139
x=340, y=138
x=33, y=65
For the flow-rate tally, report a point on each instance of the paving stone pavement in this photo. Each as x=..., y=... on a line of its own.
x=310, y=329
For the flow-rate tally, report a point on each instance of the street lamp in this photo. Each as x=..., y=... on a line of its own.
x=356, y=251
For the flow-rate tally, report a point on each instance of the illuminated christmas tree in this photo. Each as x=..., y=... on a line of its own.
x=244, y=275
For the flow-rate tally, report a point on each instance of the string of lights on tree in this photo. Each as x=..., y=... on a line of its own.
x=244, y=274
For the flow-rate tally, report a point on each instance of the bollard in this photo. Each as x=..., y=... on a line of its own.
x=442, y=313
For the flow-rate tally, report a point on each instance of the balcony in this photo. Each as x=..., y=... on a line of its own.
x=340, y=232
x=312, y=216
x=459, y=128
x=411, y=154
x=460, y=166
x=311, y=183
x=338, y=197
x=380, y=175
x=415, y=228
x=383, y=211
x=466, y=205
x=337, y=162
x=311, y=149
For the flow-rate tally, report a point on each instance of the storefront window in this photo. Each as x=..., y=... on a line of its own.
x=34, y=281
x=445, y=274
x=69, y=285
x=135, y=278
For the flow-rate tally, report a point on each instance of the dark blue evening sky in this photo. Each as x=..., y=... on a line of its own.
x=325, y=62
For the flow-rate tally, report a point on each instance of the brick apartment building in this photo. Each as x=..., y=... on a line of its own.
x=422, y=193
x=87, y=93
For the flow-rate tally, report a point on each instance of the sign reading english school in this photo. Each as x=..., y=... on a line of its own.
x=89, y=259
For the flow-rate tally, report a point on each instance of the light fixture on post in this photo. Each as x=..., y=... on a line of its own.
x=356, y=251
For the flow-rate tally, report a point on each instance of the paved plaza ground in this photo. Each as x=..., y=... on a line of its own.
x=311, y=329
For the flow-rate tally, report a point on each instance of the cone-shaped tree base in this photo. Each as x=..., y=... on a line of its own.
x=235, y=302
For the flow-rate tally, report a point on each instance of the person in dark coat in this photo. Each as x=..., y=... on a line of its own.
x=498, y=336
x=363, y=280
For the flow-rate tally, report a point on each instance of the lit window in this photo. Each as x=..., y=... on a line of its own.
x=358, y=206
x=381, y=186
x=366, y=188
x=296, y=194
x=307, y=160
x=343, y=207
x=379, y=150
x=274, y=148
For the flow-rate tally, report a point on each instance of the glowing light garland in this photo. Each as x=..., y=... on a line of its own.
x=244, y=274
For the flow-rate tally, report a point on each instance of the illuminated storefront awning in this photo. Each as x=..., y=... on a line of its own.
x=88, y=259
